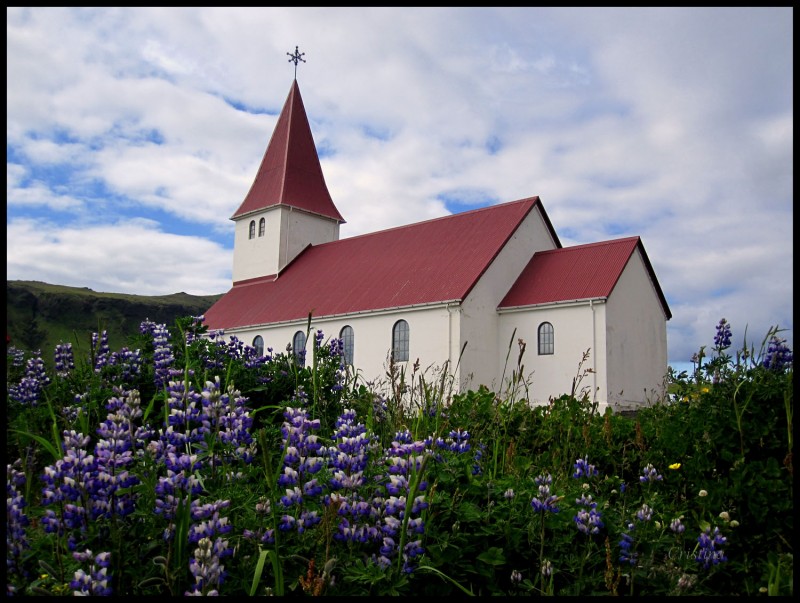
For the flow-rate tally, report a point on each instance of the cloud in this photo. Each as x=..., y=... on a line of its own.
x=135, y=133
x=124, y=257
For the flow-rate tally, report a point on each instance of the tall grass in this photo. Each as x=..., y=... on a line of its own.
x=189, y=465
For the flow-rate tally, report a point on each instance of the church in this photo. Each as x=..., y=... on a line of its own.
x=476, y=295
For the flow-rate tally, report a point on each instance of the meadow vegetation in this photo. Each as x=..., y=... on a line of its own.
x=188, y=464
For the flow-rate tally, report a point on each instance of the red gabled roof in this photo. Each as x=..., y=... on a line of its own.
x=290, y=172
x=428, y=262
x=580, y=272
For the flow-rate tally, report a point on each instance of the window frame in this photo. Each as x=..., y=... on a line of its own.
x=262, y=227
x=252, y=230
x=299, y=351
x=546, y=339
x=258, y=345
x=401, y=341
x=348, y=337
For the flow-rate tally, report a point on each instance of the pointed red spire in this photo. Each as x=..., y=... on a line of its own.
x=290, y=172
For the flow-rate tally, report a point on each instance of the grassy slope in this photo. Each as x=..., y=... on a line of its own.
x=40, y=315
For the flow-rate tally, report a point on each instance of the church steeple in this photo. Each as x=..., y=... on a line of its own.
x=288, y=206
x=290, y=173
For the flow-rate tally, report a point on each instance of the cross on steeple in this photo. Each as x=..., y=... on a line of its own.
x=296, y=58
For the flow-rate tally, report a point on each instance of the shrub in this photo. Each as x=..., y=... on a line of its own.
x=192, y=465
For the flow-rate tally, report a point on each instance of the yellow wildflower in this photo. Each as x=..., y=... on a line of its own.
x=675, y=466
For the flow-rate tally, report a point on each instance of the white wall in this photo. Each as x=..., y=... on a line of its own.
x=288, y=232
x=258, y=256
x=636, y=346
x=577, y=328
x=484, y=358
x=429, y=338
x=301, y=228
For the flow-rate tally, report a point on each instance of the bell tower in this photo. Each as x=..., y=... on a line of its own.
x=288, y=206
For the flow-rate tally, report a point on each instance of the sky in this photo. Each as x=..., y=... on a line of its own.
x=134, y=134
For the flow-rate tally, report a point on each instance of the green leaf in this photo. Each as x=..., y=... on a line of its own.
x=262, y=557
x=44, y=442
x=427, y=568
x=493, y=556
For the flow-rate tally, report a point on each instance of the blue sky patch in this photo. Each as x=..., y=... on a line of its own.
x=460, y=200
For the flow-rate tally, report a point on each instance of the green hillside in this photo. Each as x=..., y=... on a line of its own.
x=39, y=315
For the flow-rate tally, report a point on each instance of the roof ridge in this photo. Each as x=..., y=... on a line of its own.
x=595, y=244
x=535, y=199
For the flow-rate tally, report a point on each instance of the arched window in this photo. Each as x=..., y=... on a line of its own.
x=262, y=226
x=258, y=344
x=348, y=341
x=400, y=337
x=546, y=339
x=252, y=229
x=299, y=347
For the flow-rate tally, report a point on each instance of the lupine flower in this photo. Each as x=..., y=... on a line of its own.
x=677, y=526
x=710, y=552
x=129, y=363
x=457, y=441
x=779, y=356
x=650, y=475
x=100, y=350
x=645, y=513
x=584, y=469
x=114, y=454
x=16, y=519
x=31, y=386
x=477, y=457
x=380, y=408
x=293, y=497
x=401, y=457
x=545, y=501
x=176, y=485
x=64, y=360
x=516, y=577
x=162, y=353
x=17, y=356
x=722, y=340
x=686, y=581
x=627, y=553
x=225, y=415
x=96, y=582
x=587, y=519
x=263, y=506
x=71, y=482
x=207, y=520
x=194, y=327
x=205, y=566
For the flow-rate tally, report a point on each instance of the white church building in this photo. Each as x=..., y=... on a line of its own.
x=460, y=293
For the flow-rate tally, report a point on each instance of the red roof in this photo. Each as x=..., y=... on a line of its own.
x=428, y=262
x=579, y=272
x=290, y=172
